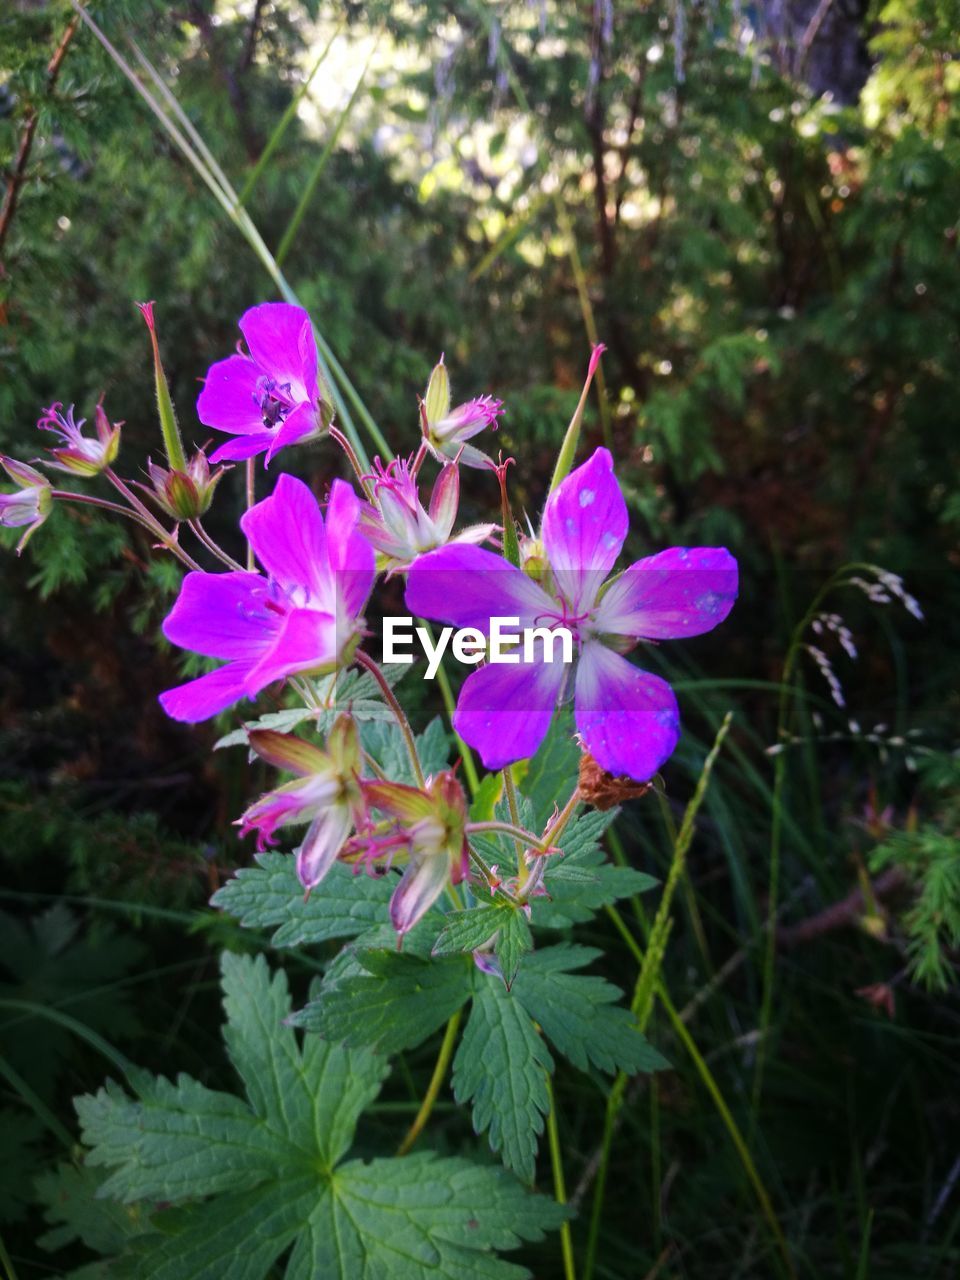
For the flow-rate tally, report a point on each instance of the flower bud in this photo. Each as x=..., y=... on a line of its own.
x=187, y=494
x=436, y=402
x=78, y=454
x=30, y=505
x=172, y=444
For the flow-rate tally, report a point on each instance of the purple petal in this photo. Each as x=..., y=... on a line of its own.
x=352, y=559
x=301, y=422
x=221, y=615
x=307, y=642
x=274, y=333
x=205, y=697
x=322, y=843
x=628, y=718
x=468, y=586
x=421, y=884
x=286, y=532
x=504, y=711
x=230, y=399
x=243, y=447
x=584, y=527
x=680, y=592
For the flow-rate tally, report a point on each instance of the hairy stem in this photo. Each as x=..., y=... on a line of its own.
x=200, y=533
x=399, y=714
x=559, y=1185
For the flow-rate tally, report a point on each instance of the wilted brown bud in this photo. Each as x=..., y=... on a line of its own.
x=604, y=790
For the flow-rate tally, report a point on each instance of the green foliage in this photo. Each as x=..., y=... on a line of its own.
x=393, y=1002
x=501, y=1067
x=272, y=1164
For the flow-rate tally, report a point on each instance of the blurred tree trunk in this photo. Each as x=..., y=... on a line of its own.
x=821, y=42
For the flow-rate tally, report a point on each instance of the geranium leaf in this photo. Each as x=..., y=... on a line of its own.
x=579, y=1015
x=268, y=1167
x=581, y=879
x=501, y=1067
x=394, y=1003
x=269, y=894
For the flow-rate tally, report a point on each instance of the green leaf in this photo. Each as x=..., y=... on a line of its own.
x=582, y=880
x=578, y=1014
x=547, y=783
x=345, y=905
x=396, y=1002
x=512, y=945
x=501, y=1067
x=470, y=929
x=384, y=741
x=253, y=1178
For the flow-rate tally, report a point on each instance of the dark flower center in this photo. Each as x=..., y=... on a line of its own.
x=274, y=400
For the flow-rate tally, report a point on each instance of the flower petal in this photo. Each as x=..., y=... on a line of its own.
x=221, y=615
x=584, y=527
x=409, y=804
x=307, y=642
x=243, y=447
x=301, y=422
x=230, y=399
x=421, y=884
x=324, y=840
x=274, y=333
x=684, y=591
x=504, y=710
x=287, y=751
x=205, y=697
x=352, y=559
x=628, y=718
x=287, y=534
x=467, y=586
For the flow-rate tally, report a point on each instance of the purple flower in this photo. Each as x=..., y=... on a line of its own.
x=302, y=617
x=30, y=505
x=627, y=718
x=271, y=397
x=397, y=524
x=79, y=454
x=326, y=794
x=446, y=430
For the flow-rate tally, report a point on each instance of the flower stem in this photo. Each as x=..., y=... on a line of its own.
x=200, y=533
x=433, y=1088
x=559, y=1185
x=348, y=449
x=510, y=789
x=508, y=829
x=251, y=497
x=139, y=513
x=559, y=824
x=446, y=693
x=399, y=714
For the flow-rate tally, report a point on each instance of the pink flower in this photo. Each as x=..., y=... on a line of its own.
x=271, y=397
x=397, y=524
x=446, y=430
x=627, y=718
x=29, y=506
x=301, y=616
x=79, y=454
x=326, y=794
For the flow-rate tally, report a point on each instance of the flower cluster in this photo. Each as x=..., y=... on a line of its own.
x=296, y=616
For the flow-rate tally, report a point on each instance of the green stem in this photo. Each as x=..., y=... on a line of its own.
x=7, y=1261
x=433, y=1088
x=559, y=1185
x=200, y=533
x=525, y=838
x=399, y=714
x=510, y=790
x=250, y=497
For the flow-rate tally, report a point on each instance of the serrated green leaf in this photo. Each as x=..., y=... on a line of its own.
x=383, y=740
x=470, y=929
x=391, y=1219
x=513, y=943
x=501, y=1067
x=75, y=1210
x=578, y=1013
x=344, y=905
x=395, y=1004
x=581, y=879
